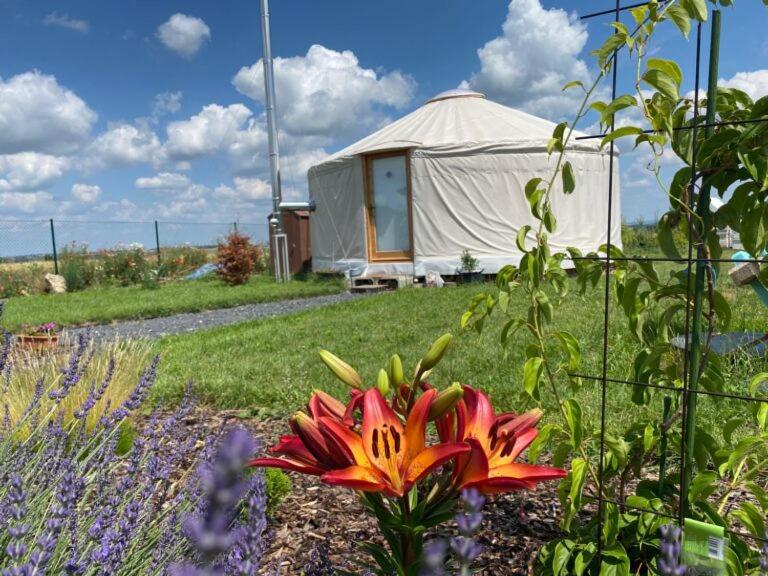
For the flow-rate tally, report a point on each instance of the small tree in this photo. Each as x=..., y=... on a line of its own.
x=236, y=259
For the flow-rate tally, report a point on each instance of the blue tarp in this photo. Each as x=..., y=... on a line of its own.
x=204, y=270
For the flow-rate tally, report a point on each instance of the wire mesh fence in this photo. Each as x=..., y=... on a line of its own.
x=694, y=262
x=31, y=240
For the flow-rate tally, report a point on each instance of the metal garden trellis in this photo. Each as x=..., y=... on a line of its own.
x=696, y=269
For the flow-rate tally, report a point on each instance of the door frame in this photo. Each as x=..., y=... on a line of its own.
x=370, y=221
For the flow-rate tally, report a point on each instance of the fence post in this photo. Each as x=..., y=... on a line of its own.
x=157, y=242
x=55, y=254
x=234, y=225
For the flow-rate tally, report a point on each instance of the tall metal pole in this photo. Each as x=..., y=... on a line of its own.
x=705, y=216
x=274, y=152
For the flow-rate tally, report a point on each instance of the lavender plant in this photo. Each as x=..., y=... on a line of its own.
x=70, y=505
x=669, y=562
x=464, y=547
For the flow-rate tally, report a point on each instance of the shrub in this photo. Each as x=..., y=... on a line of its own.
x=236, y=259
x=278, y=485
x=126, y=266
x=71, y=504
x=17, y=279
x=468, y=262
x=77, y=267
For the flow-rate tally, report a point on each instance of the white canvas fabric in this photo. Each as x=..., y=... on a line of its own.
x=469, y=161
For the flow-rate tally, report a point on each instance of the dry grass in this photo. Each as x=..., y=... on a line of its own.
x=29, y=368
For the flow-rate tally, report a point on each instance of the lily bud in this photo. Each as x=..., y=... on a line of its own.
x=382, y=382
x=435, y=353
x=446, y=401
x=342, y=370
x=396, y=370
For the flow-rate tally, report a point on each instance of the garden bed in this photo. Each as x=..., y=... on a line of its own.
x=513, y=530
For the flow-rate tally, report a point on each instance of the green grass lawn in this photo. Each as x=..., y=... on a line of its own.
x=272, y=365
x=103, y=305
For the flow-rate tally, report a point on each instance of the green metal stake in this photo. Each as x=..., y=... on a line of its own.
x=663, y=445
x=703, y=212
x=157, y=242
x=55, y=255
x=234, y=226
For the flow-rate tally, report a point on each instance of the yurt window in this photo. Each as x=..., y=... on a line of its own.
x=388, y=202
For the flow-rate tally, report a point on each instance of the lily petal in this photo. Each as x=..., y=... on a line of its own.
x=287, y=464
x=490, y=486
x=416, y=425
x=526, y=472
x=433, y=457
x=522, y=442
x=355, y=477
x=473, y=467
x=350, y=441
x=323, y=404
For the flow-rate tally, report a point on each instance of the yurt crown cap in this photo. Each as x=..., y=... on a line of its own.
x=456, y=93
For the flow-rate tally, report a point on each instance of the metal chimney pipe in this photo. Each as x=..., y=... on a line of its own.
x=269, y=88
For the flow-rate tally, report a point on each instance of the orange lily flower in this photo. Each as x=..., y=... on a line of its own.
x=311, y=450
x=388, y=457
x=495, y=441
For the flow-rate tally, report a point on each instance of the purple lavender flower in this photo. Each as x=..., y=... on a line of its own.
x=669, y=562
x=764, y=555
x=464, y=546
x=319, y=560
x=72, y=372
x=435, y=553
x=17, y=509
x=210, y=527
x=245, y=556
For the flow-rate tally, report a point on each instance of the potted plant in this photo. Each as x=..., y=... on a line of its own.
x=469, y=271
x=40, y=337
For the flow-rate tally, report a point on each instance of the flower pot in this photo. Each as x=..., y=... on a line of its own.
x=37, y=341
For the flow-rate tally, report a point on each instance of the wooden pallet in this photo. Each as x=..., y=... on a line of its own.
x=373, y=284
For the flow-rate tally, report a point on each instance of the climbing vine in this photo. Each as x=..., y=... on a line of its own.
x=638, y=473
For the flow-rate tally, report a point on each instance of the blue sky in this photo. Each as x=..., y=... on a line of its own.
x=136, y=110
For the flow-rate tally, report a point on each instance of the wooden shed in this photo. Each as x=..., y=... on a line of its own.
x=296, y=228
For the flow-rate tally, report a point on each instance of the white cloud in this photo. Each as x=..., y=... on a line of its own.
x=184, y=34
x=30, y=171
x=86, y=192
x=537, y=54
x=327, y=92
x=122, y=209
x=163, y=181
x=754, y=83
x=166, y=103
x=38, y=114
x=28, y=202
x=214, y=128
x=65, y=21
x=124, y=144
x=244, y=190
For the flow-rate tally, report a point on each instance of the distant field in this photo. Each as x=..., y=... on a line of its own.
x=107, y=304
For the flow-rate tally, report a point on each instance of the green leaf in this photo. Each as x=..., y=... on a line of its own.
x=662, y=82
x=556, y=142
x=610, y=523
x=550, y=222
x=575, y=484
x=572, y=84
x=521, y=238
x=561, y=558
x=620, y=103
x=620, y=133
x=666, y=237
x=569, y=179
x=680, y=17
x=702, y=486
x=570, y=346
x=669, y=67
x=531, y=374
x=545, y=433
x=572, y=412
x=696, y=9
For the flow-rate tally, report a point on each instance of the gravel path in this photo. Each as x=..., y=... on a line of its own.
x=190, y=322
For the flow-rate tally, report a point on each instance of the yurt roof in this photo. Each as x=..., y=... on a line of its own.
x=452, y=118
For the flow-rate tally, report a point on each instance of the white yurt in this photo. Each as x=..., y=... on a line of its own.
x=449, y=177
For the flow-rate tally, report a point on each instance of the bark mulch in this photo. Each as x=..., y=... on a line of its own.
x=514, y=529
